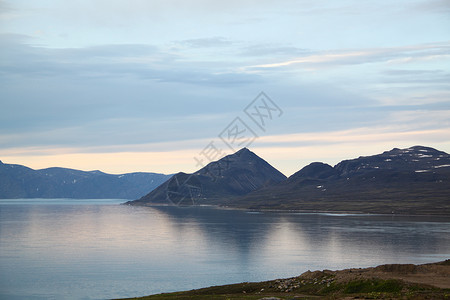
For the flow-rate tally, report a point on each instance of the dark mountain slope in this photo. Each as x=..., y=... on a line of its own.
x=234, y=175
x=18, y=181
x=415, y=180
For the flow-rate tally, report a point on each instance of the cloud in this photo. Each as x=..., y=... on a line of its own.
x=205, y=42
x=142, y=61
x=163, y=75
x=6, y=10
x=357, y=135
x=403, y=72
x=434, y=6
x=119, y=94
x=4, y=6
x=273, y=50
x=419, y=77
x=354, y=57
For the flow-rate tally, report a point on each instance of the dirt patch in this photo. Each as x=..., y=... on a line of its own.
x=436, y=274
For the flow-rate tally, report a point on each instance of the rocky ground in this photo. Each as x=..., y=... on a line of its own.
x=395, y=281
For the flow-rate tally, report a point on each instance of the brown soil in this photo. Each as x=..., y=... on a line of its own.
x=435, y=274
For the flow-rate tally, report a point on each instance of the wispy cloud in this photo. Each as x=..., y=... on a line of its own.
x=435, y=6
x=265, y=49
x=6, y=11
x=205, y=42
x=419, y=77
x=353, y=57
x=143, y=61
x=354, y=136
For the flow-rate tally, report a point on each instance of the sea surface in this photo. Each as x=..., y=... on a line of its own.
x=98, y=249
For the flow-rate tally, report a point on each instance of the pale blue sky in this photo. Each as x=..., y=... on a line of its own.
x=145, y=85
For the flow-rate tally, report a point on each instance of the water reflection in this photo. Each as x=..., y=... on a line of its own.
x=105, y=251
x=319, y=240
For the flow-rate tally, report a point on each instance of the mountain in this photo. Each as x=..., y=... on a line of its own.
x=234, y=175
x=18, y=181
x=415, y=180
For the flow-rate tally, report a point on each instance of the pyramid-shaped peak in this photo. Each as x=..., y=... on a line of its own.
x=233, y=175
x=241, y=153
x=244, y=159
x=244, y=153
x=239, y=156
x=243, y=150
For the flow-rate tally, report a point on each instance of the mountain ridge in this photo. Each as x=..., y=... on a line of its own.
x=414, y=180
x=18, y=181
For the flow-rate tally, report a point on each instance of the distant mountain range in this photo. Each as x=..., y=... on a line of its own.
x=415, y=180
x=18, y=181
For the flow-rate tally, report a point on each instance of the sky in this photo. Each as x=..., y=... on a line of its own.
x=168, y=85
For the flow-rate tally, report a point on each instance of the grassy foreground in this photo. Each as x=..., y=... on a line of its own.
x=428, y=281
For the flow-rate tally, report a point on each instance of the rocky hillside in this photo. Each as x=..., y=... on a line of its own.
x=234, y=175
x=415, y=180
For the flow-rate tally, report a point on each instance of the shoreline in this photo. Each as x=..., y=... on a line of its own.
x=391, y=281
x=300, y=211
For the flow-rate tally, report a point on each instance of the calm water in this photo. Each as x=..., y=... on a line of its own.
x=78, y=249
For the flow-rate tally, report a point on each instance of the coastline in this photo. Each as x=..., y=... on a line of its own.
x=392, y=281
x=442, y=214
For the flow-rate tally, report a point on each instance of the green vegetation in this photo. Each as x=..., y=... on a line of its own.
x=373, y=286
x=320, y=286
